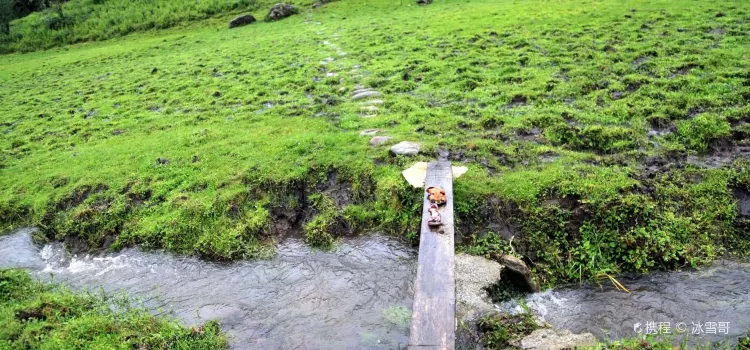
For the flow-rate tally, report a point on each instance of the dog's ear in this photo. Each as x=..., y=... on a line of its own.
x=443, y=192
x=428, y=189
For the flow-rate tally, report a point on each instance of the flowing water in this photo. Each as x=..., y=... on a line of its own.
x=359, y=296
x=356, y=297
x=717, y=298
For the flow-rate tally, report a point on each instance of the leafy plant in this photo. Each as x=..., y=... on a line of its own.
x=498, y=330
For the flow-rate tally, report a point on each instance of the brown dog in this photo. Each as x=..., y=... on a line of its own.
x=436, y=195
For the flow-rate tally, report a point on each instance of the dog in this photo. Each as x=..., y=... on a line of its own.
x=436, y=195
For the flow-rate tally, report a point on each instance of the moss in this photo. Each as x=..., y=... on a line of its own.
x=321, y=231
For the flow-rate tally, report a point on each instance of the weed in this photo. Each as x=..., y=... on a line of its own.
x=498, y=330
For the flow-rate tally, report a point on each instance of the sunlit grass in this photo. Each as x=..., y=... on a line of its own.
x=195, y=138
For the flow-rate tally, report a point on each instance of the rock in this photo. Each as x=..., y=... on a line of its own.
x=405, y=148
x=280, y=11
x=163, y=161
x=550, y=339
x=518, y=273
x=379, y=140
x=365, y=94
x=743, y=201
x=374, y=102
x=321, y=3
x=424, y=2
x=370, y=109
x=241, y=21
x=369, y=132
x=474, y=274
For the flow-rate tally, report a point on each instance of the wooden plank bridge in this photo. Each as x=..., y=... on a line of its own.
x=433, y=322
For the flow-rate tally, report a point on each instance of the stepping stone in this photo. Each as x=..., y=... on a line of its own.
x=366, y=94
x=371, y=109
x=369, y=132
x=331, y=74
x=373, y=102
x=379, y=140
x=405, y=148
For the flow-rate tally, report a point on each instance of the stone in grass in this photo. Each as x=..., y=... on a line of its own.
x=518, y=273
x=379, y=140
x=241, y=21
x=366, y=94
x=369, y=132
x=279, y=11
x=370, y=109
x=474, y=275
x=321, y=3
x=424, y=2
x=405, y=148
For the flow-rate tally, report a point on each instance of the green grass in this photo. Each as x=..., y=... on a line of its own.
x=39, y=316
x=93, y=20
x=201, y=139
x=666, y=342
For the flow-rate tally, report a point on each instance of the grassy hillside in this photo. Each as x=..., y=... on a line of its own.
x=92, y=20
x=37, y=316
x=602, y=135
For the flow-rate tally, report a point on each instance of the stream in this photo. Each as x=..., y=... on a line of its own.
x=710, y=304
x=359, y=296
x=356, y=297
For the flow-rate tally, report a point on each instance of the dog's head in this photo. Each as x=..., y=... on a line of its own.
x=436, y=194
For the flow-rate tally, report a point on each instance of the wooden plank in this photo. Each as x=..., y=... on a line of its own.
x=433, y=322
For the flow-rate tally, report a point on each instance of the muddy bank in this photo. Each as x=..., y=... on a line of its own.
x=357, y=296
